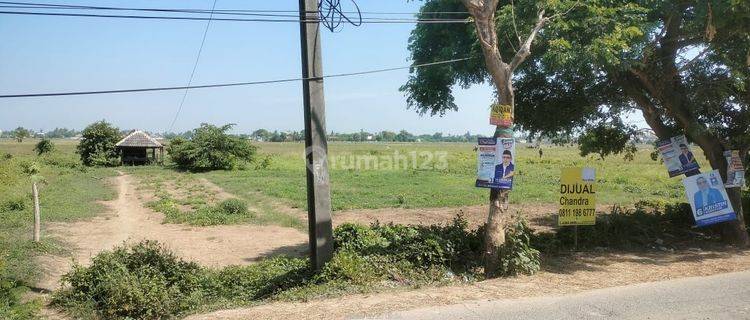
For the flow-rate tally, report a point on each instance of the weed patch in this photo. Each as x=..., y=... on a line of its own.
x=648, y=226
x=146, y=281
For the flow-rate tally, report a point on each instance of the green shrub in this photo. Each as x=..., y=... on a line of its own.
x=233, y=206
x=625, y=229
x=7, y=156
x=97, y=146
x=44, y=146
x=264, y=162
x=140, y=281
x=210, y=148
x=13, y=204
x=452, y=246
x=353, y=267
x=517, y=254
x=261, y=280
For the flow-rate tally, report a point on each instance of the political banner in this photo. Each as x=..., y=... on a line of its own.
x=735, y=170
x=495, y=163
x=501, y=115
x=677, y=156
x=708, y=198
x=577, y=197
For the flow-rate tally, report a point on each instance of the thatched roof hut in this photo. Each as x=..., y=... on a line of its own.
x=135, y=146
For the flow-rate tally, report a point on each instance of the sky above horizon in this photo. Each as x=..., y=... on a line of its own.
x=52, y=54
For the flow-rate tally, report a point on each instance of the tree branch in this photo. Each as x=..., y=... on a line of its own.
x=515, y=27
x=525, y=49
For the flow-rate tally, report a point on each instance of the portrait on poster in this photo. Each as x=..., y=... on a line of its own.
x=677, y=156
x=708, y=199
x=495, y=163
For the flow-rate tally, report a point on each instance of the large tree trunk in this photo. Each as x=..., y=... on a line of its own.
x=732, y=232
x=495, y=227
x=483, y=12
x=670, y=93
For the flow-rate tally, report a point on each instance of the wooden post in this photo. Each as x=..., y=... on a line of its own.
x=316, y=147
x=37, y=214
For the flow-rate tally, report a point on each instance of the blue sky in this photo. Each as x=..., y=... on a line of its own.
x=42, y=54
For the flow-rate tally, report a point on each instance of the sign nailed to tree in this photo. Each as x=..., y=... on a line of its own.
x=577, y=197
x=735, y=170
x=708, y=199
x=501, y=115
x=677, y=156
x=495, y=163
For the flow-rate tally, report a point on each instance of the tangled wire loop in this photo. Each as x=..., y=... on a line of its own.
x=332, y=16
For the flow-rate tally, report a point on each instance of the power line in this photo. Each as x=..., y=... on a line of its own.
x=195, y=66
x=31, y=5
x=221, y=85
x=364, y=20
x=193, y=11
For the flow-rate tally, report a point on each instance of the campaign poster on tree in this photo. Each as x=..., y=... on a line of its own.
x=501, y=115
x=735, y=170
x=677, y=156
x=708, y=198
x=496, y=163
x=577, y=197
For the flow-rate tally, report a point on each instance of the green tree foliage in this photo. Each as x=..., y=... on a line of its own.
x=404, y=136
x=682, y=64
x=44, y=146
x=59, y=133
x=97, y=146
x=21, y=133
x=261, y=135
x=210, y=148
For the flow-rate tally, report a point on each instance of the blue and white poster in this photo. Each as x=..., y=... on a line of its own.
x=677, y=156
x=496, y=163
x=708, y=198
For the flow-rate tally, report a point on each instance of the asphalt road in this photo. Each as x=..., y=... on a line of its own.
x=725, y=296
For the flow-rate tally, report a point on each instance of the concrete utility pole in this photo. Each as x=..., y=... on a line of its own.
x=316, y=147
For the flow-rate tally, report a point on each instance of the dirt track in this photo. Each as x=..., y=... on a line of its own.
x=129, y=220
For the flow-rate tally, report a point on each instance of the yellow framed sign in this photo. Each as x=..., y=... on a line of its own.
x=501, y=115
x=577, y=197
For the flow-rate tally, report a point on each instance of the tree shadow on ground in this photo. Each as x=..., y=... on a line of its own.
x=599, y=261
x=296, y=251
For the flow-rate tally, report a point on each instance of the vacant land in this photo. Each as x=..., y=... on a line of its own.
x=432, y=183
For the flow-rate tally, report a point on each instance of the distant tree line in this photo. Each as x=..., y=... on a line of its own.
x=269, y=136
x=362, y=136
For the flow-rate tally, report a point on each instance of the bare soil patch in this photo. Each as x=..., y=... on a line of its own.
x=128, y=220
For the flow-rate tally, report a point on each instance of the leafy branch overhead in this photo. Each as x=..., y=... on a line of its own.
x=684, y=65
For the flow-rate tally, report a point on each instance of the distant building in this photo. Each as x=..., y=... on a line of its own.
x=134, y=149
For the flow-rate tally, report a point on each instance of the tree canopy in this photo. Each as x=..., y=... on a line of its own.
x=97, y=146
x=210, y=148
x=684, y=65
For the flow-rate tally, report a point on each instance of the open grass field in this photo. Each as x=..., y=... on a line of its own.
x=442, y=175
